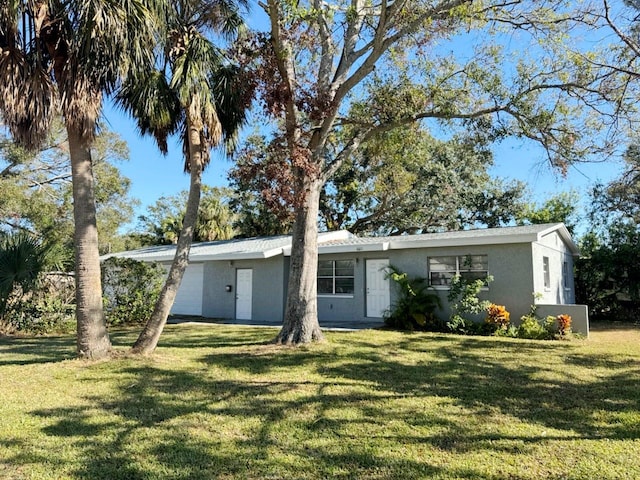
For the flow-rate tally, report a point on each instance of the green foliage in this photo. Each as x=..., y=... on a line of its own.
x=47, y=307
x=533, y=328
x=562, y=207
x=465, y=302
x=131, y=289
x=162, y=223
x=23, y=258
x=35, y=190
x=415, y=305
x=608, y=275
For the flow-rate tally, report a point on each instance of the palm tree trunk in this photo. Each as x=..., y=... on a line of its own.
x=93, y=339
x=301, y=313
x=150, y=335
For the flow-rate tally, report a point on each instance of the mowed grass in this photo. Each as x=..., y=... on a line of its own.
x=220, y=402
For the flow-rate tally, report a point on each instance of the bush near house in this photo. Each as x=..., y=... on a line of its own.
x=32, y=300
x=130, y=289
x=416, y=306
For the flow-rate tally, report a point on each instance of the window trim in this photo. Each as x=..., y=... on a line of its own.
x=457, y=270
x=546, y=273
x=565, y=275
x=333, y=278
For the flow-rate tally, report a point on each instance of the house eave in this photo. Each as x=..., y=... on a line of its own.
x=462, y=242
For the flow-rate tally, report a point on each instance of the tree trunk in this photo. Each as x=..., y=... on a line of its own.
x=93, y=339
x=150, y=335
x=301, y=312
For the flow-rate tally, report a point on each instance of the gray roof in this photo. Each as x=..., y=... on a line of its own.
x=344, y=242
x=237, y=249
x=485, y=236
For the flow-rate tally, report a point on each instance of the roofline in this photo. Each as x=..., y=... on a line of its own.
x=400, y=243
x=462, y=242
x=562, y=230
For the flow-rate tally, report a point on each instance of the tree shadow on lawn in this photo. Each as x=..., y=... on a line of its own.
x=32, y=350
x=328, y=413
x=531, y=392
x=18, y=350
x=184, y=425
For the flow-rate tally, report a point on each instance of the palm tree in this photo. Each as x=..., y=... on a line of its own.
x=23, y=257
x=63, y=56
x=215, y=219
x=196, y=93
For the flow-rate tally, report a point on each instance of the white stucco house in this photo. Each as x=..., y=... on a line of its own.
x=246, y=279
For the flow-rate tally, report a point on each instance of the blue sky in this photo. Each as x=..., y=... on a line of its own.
x=154, y=175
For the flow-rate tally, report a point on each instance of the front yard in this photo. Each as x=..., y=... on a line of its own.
x=220, y=402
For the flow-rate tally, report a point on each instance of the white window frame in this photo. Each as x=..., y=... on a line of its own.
x=546, y=272
x=460, y=268
x=333, y=278
x=565, y=275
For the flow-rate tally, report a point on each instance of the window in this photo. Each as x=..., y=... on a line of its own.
x=545, y=270
x=470, y=267
x=565, y=274
x=335, y=277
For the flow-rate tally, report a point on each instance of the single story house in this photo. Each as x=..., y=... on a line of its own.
x=246, y=279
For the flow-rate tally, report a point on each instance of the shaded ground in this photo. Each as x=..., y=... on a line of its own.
x=220, y=402
x=335, y=325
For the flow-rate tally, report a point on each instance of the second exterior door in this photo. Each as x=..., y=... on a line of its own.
x=378, y=294
x=244, y=293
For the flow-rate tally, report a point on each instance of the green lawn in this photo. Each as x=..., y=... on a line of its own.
x=220, y=402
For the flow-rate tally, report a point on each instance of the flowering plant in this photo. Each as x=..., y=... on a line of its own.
x=564, y=324
x=497, y=315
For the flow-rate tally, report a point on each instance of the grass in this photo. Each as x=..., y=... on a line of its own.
x=219, y=402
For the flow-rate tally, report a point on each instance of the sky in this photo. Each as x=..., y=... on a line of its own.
x=153, y=175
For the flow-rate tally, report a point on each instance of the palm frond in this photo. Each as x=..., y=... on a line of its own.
x=233, y=94
x=23, y=258
x=149, y=99
x=112, y=37
x=223, y=16
x=27, y=98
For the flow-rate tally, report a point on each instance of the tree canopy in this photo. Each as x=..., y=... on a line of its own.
x=35, y=190
x=334, y=75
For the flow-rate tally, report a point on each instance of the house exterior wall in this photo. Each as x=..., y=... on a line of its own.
x=553, y=247
x=268, y=280
x=510, y=265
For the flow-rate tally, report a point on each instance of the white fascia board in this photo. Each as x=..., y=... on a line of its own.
x=348, y=248
x=365, y=247
x=253, y=255
x=564, y=234
x=463, y=242
x=143, y=258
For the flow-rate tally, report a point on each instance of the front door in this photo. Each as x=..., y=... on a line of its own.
x=244, y=296
x=378, y=296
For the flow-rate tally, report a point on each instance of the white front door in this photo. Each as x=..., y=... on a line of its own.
x=378, y=296
x=244, y=288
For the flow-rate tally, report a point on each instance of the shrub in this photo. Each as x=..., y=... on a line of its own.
x=415, y=305
x=48, y=307
x=564, y=324
x=463, y=299
x=130, y=289
x=533, y=328
x=497, y=317
x=26, y=302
